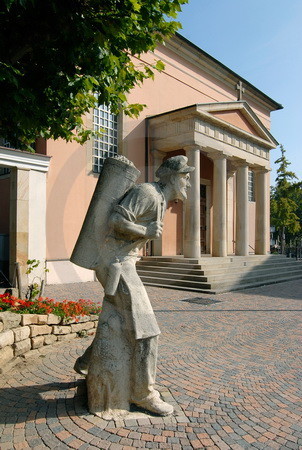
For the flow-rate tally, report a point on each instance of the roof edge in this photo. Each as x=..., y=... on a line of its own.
x=276, y=106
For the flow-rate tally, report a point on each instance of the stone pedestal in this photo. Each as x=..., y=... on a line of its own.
x=192, y=206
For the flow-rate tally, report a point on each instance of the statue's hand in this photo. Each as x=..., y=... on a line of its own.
x=154, y=230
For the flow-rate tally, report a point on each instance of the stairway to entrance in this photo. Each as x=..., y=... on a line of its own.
x=215, y=275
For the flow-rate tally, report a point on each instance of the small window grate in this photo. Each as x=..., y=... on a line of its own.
x=251, y=186
x=104, y=145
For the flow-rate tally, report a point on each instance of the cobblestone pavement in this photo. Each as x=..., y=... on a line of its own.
x=230, y=364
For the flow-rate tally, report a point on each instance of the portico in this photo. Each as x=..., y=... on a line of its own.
x=223, y=141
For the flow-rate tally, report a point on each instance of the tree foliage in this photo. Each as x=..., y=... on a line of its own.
x=286, y=201
x=56, y=55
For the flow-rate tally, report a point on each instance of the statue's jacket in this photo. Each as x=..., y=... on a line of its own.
x=142, y=204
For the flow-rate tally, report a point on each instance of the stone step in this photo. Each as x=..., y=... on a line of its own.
x=213, y=281
x=247, y=285
x=181, y=271
x=218, y=266
x=169, y=281
x=251, y=277
x=219, y=274
x=172, y=275
x=209, y=260
x=168, y=264
x=252, y=264
x=221, y=289
x=180, y=259
x=223, y=271
x=246, y=261
x=210, y=276
x=233, y=257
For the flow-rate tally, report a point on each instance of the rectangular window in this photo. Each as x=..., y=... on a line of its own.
x=251, y=186
x=106, y=144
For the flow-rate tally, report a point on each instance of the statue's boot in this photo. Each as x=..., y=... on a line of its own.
x=155, y=404
x=80, y=368
x=82, y=363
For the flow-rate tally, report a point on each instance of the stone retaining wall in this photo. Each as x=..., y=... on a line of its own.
x=20, y=333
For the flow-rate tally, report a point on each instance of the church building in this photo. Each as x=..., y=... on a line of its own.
x=196, y=107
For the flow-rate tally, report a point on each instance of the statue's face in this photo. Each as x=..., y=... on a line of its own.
x=181, y=184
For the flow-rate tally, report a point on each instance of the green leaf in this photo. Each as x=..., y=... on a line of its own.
x=135, y=4
x=159, y=66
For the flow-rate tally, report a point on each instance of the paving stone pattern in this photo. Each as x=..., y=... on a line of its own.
x=230, y=364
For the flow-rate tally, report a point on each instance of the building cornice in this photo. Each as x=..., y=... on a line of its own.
x=195, y=125
x=203, y=112
x=24, y=160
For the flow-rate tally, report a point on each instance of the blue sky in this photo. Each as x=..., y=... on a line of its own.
x=261, y=40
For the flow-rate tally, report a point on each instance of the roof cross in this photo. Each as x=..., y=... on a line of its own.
x=240, y=90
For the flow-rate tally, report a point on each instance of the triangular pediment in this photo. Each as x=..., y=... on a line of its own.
x=239, y=115
x=236, y=118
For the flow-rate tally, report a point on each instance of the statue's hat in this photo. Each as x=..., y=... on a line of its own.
x=178, y=164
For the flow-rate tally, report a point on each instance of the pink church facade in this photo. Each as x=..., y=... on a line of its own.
x=197, y=107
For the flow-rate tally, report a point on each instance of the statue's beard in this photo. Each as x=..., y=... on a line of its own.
x=182, y=195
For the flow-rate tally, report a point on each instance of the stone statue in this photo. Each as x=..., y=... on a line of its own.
x=120, y=364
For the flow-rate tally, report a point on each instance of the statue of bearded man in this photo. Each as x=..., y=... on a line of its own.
x=120, y=364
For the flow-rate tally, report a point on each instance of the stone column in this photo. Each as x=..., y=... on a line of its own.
x=231, y=170
x=242, y=210
x=192, y=206
x=19, y=221
x=157, y=159
x=208, y=218
x=262, y=212
x=219, y=205
x=27, y=221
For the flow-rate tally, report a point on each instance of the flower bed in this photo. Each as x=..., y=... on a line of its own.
x=27, y=325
